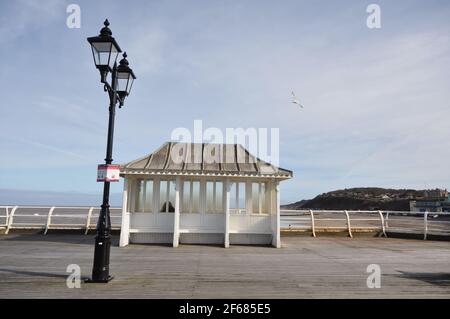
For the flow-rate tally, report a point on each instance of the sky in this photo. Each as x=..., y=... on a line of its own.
x=376, y=101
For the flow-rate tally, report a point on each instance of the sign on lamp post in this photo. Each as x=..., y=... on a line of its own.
x=108, y=173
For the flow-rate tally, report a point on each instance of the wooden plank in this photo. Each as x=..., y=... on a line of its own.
x=305, y=267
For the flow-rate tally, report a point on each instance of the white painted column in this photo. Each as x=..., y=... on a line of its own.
x=176, y=215
x=276, y=240
x=226, y=206
x=131, y=195
x=125, y=226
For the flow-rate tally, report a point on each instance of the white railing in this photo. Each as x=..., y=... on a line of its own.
x=85, y=218
x=54, y=217
x=384, y=222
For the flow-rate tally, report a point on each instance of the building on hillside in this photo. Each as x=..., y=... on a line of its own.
x=430, y=205
x=201, y=193
x=437, y=193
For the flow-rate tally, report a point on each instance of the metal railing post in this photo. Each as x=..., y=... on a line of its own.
x=88, y=220
x=383, y=228
x=425, y=225
x=386, y=222
x=313, y=224
x=349, y=228
x=10, y=220
x=49, y=219
x=7, y=216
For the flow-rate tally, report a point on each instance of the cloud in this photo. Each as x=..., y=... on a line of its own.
x=52, y=148
x=23, y=17
x=146, y=49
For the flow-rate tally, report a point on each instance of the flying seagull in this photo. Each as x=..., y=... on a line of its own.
x=295, y=100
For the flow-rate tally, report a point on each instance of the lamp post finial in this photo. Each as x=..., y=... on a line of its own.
x=106, y=31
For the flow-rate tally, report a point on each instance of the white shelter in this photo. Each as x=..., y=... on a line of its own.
x=203, y=194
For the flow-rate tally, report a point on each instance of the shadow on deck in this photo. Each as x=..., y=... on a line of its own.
x=438, y=279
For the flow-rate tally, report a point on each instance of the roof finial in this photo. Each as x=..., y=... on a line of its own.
x=105, y=31
x=124, y=61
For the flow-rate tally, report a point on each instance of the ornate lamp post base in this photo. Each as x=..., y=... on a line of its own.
x=100, y=271
x=92, y=281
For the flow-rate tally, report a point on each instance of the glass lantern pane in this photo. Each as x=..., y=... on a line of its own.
x=103, y=58
x=130, y=84
x=113, y=58
x=122, y=84
x=96, y=56
x=123, y=75
x=101, y=51
x=102, y=46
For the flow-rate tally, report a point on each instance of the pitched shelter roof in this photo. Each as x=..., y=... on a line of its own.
x=203, y=159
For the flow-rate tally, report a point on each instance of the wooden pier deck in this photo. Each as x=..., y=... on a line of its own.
x=33, y=265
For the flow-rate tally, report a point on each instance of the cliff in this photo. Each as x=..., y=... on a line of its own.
x=368, y=198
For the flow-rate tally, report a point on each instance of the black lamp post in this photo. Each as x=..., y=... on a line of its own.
x=105, y=51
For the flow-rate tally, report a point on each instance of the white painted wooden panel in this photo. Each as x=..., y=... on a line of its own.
x=250, y=239
x=202, y=223
x=196, y=238
x=151, y=238
x=151, y=222
x=250, y=224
